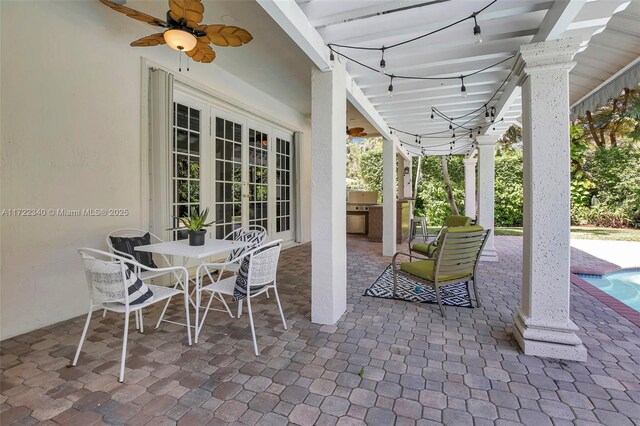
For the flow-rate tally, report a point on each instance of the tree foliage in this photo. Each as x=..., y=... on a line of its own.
x=615, y=123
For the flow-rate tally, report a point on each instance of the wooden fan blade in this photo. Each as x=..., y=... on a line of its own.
x=148, y=41
x=361, y=134
x=226, y=35
x=189, y=10
x=356, y=129
x=132, y=13
x=202, y=53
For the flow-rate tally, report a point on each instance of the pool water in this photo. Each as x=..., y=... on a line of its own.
x=623, y=285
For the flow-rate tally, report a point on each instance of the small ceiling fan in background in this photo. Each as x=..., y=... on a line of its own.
x=356, y=132
x=183, y=31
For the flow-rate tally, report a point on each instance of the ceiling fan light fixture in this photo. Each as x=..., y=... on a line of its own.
x=180, y=40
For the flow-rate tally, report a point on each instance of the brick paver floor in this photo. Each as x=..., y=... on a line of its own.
x=415, y=367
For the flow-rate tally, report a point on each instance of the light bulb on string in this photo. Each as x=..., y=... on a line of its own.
x=493, y=114
x=477, y=32
x=332, y=59
x=432, y=116
x=487, y=119
x=463, y=89
x=383, y=64
x=390, y=89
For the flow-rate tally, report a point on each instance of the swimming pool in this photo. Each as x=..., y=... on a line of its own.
x=623, y=285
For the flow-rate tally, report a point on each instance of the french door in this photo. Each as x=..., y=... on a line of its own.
x=252, y=175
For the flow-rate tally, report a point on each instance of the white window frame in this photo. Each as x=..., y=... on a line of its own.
x=207, y=96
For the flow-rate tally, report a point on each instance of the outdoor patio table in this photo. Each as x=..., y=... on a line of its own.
x=181, y=248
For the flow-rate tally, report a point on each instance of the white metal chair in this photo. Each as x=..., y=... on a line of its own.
x=144, y=275
x=261, y=276
x=106, y=278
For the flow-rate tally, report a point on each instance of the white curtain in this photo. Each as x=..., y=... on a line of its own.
x=160, y=139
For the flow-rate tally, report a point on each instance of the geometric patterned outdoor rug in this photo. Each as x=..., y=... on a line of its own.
x=452, y=295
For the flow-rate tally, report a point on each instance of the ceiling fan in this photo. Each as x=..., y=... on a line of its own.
x=183, y=31
x=356, y=132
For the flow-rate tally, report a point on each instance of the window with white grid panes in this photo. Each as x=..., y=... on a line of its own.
x=283, y=185
x=186, y=164
x=258, y=178
x=228, y=176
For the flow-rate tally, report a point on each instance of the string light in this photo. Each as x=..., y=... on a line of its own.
x=390, y=89
x=493, y=114
x=487, y=119
x=463, y=89
x=432, y=116
x=477, y=32
x=332, y=59
x=451, y=120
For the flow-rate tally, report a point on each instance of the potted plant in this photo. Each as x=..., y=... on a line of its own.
x=195, y=224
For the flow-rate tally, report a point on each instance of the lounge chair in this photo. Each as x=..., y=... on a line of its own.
x=455, y=261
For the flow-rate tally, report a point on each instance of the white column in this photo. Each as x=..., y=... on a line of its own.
x=470, y=187
x=542, y=323
x=389, y=198
x=486, y=191
x=328, y=191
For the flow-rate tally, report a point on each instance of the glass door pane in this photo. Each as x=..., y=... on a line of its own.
x=185, y=155
x=257, y=179
x=284, y=187
x=228, y=176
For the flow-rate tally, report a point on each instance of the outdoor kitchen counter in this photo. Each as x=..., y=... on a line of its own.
x=402, y=218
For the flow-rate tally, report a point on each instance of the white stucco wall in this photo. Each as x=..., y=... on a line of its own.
x=71, y=130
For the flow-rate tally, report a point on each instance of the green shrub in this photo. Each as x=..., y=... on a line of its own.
x=508, y=189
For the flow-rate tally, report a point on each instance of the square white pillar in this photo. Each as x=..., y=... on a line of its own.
x=470, y=187
x=486, y=192
x=542, y=323
x=389, y=198
x=328, y=192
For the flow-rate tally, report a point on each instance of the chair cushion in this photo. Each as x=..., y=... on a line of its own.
x=425, y=248
x=462, y=229
x=137, y=290
x=128, y=244
x=424, y=270
x=106, y=283
x=254, y=238
x=457, y=220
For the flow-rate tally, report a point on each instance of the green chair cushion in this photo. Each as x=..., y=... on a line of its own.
x=462, y=229
x=425, y=248
x=457, y=220
x=424, y=269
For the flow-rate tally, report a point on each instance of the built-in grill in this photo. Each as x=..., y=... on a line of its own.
x=358, y=203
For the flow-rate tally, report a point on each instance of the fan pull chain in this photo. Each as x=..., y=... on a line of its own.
x=180, y=61
x=187, y=63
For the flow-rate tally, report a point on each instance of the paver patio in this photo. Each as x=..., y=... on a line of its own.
x=417, y=367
